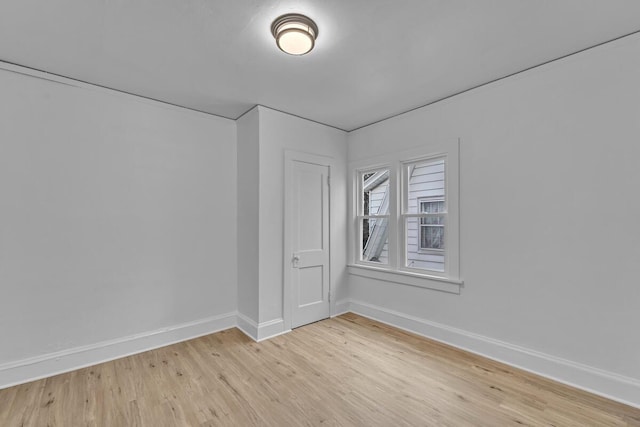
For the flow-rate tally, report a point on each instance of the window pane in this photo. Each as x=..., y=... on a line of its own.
x=375, y=240
x=375, y=189
x=426, y=190
x=425, y=243
x=427, y=206
x=432, y=237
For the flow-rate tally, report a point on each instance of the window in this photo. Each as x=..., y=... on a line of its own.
x=432, y=227
x=424, y=214
x=406, y=219
x=373, y=218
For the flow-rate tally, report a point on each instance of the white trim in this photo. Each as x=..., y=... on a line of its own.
x=408, y=278
x=46, y=365
x=270, y=329
x=247, y=326
x=594, y=380
x=263, y=330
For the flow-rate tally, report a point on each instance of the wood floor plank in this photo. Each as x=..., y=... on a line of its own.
x=347, y=371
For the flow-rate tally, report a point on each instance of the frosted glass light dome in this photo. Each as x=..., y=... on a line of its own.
x=295, y=34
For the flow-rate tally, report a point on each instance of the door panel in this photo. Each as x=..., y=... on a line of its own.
x=310, y=294
x=309, y=186
x=310, y=243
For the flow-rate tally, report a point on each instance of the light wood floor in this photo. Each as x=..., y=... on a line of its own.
x=345, y=371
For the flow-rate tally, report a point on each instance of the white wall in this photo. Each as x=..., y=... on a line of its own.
x=117, y=216
x=248, y=178
x=280, y=132
x=550, y=238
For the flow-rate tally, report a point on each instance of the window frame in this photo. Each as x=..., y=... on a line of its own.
x=396, y=271
x=406, y=167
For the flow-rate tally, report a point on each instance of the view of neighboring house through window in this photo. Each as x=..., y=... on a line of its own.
x=425, y=212
x=424, y=215
x=432, y=228
x=374, y=216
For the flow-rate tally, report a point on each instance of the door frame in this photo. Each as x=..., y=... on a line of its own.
x=291, y=156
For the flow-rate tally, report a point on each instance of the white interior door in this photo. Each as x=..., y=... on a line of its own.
x=308, y=231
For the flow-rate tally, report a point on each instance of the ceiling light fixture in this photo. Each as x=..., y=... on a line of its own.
x=295, y=34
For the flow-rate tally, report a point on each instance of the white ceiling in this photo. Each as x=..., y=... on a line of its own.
x=373, y=58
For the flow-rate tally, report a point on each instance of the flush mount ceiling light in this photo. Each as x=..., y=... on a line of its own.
x=295, y=34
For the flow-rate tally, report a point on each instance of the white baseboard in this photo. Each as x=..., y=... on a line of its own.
x=270, y=329
x=263, y=330
x=248, y=326
x=597, y=381
x=35, y=368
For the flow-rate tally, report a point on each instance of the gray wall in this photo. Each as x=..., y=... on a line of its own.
x=263, y=137
x=117, y=216
x=280, y=132
x=550, y=240
x=248, y=212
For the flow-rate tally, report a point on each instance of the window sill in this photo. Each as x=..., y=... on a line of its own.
x=418, y=280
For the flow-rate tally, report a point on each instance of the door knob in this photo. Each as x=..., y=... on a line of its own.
x=295, y=260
